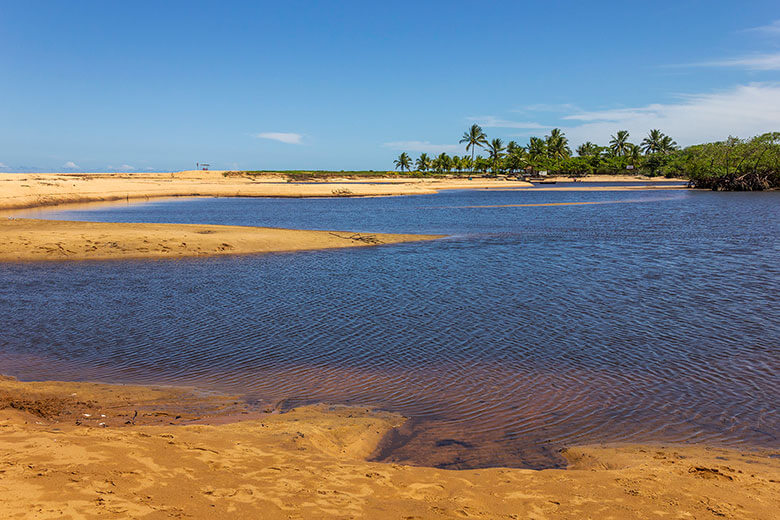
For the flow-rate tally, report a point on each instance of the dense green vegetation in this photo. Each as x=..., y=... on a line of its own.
x=733, y=164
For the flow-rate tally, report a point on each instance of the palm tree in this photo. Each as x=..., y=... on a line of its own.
x=467, y=163
x=514, y=162
x=512, y=148
x=668, y=145
x=457, y=163
x=537, y=151
x=515, y=155
x=652, y=143
x=634, y=154
x=474, y=138
x=403, y=161
x=423, y=162
x=445, y=163
x=618, y=143
x=481, y=164
x=557, y=145
x=496, y=152
x=588, y=149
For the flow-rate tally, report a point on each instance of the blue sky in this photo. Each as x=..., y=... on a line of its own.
x=101, y=86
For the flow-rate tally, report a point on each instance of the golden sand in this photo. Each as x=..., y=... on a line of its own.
x=22, y=190
x=79, y=450
x=30, y=239
x=19, y=190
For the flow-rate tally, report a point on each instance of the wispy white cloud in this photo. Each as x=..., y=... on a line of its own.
x=126, y=168
x=772, y=28
x=496, y=122
x=3, y=165
x=769, y=61
x=283, y=137
x=422, y=146
x=70, y=165
x=743, y=111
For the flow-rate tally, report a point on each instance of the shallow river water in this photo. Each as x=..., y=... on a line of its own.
x=650, y=316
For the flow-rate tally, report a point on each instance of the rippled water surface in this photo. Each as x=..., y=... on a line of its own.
x=651, y=316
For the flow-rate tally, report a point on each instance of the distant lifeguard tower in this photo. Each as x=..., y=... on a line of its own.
x=203, y=166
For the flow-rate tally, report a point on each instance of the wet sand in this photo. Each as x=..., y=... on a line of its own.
x=37, y=240
x=83, y=450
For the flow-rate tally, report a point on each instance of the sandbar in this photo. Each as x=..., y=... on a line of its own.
x=30, y=190
x=42, y=240
x=35, y=240
x=22, y=190
x=84, y=450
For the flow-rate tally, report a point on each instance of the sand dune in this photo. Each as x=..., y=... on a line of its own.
x=80, y=450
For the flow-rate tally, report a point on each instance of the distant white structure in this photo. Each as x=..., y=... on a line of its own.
x=203, y=166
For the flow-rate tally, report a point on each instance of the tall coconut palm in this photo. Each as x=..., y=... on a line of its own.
x=653, y=142
x=588, y=149
x=515, y=156
x=537, y=151
x=445, y=162
x=474, y=138
x=423, y=162
x=634, y=154
x=618, y=143
x=467, y=163
x=403, y=162
x=496, y=152
x=512, y=147
x=481, y=164
x=557, y=146
x=668, y=145
x=457, y=163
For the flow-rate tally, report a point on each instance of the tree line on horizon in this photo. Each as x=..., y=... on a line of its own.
x=733, y=164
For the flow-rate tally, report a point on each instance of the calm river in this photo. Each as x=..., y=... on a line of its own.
x=652, y=316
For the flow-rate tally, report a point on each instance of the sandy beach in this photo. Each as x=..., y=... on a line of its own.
x=37, y=240
x=19, y=190
x=85, y=450
x=25, y=239
x=22, y=190
x=82, y=450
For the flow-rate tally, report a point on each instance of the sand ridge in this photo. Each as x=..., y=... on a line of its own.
x=310, y=462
